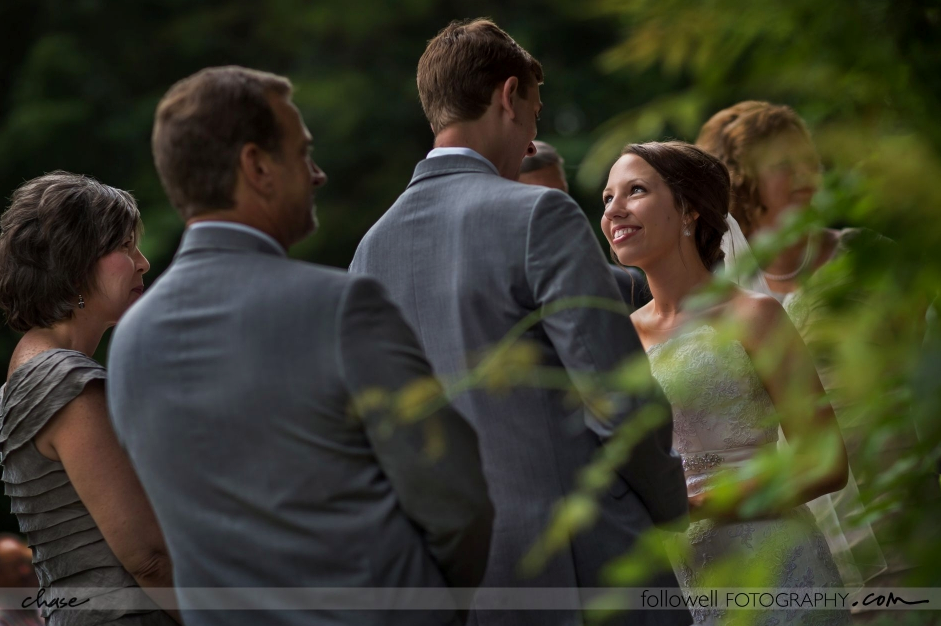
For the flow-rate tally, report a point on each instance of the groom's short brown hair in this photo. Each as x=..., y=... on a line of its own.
x=462, y=66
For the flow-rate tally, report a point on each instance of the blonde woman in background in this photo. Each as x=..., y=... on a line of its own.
x=776, y=171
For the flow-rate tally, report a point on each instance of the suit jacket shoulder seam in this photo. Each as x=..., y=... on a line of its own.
x=339, y=317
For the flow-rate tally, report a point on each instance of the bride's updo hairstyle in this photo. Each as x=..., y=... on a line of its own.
x=699, y=182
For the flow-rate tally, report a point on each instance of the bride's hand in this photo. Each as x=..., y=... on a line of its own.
x=705, y=504
x=699, y=506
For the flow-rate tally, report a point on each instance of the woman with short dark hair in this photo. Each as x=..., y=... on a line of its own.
x=69, y=268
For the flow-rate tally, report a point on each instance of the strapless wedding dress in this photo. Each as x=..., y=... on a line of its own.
x=722, y=418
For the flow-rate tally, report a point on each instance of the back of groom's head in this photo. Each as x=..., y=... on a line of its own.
x=462, y=66
x=201, y=125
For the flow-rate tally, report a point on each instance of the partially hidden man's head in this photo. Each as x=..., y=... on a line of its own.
x=464, y=64
x=221, y=121
x=546, y=168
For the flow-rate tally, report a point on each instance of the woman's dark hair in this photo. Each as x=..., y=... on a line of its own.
x=53, y=233
x=699, y=182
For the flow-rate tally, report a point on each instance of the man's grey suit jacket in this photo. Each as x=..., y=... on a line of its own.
x=467, y=254
x=231, y=385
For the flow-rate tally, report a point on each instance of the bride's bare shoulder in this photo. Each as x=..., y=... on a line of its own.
x=757, y=313
x=753, y=302
x=640, y=318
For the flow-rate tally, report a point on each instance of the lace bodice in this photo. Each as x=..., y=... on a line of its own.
x=722, y=417
x=719, y=403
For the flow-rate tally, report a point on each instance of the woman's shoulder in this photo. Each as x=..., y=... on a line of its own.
x=645, y=324
x=748, y=304
x=755, y=313
x=863, y=240
x=40, y=357
x=38, y=388
x=641, y=316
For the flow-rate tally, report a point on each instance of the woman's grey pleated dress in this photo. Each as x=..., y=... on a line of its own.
x=68, y=549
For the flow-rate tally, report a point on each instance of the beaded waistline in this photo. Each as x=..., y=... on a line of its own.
x=700, y=462
x=706, y=460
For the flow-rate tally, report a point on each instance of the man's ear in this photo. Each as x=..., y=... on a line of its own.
x=509, y=92
x=255, y=168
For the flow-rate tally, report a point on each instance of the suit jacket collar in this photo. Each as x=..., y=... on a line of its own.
x=447, y=165
x=222, y=238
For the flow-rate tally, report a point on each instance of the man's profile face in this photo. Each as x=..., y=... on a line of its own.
x=551, y=176
x=298, y=175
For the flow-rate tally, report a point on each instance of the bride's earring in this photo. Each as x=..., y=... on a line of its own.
x=686, y=230
x=81, y=301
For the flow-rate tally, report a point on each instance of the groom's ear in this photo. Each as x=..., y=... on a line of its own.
x=508, y=93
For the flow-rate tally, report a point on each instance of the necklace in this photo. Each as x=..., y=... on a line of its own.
x=800, y=268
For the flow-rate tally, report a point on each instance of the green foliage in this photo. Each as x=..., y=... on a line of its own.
x=863, y=73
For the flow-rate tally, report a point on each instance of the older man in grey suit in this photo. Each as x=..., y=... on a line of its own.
x=467, y=252
x=237, y=385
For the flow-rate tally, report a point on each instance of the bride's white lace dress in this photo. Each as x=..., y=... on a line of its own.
x=723, y=417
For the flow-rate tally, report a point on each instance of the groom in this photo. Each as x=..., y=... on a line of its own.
x=238, y=386
x=467, y=252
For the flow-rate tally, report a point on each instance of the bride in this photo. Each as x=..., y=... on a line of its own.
x=734, y=369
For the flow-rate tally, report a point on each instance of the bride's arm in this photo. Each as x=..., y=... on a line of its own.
x=787, y=371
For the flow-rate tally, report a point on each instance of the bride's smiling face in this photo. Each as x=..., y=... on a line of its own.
x=640, y=221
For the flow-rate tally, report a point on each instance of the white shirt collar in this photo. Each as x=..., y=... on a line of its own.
x=440, y=152
x=238, y=226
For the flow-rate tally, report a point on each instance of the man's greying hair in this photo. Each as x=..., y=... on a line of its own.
x=201, y=125
x=545, y=156
x=462, y=66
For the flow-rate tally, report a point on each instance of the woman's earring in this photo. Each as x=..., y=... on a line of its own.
x=81, y=301
x=686, y=231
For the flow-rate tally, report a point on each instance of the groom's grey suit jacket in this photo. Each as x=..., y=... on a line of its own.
x=467, y=254
x=231, y=385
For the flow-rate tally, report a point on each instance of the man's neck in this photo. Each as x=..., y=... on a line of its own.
x=251, y=219
x=476, y=137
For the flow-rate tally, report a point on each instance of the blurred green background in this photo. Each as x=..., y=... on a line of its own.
x=79, y=81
